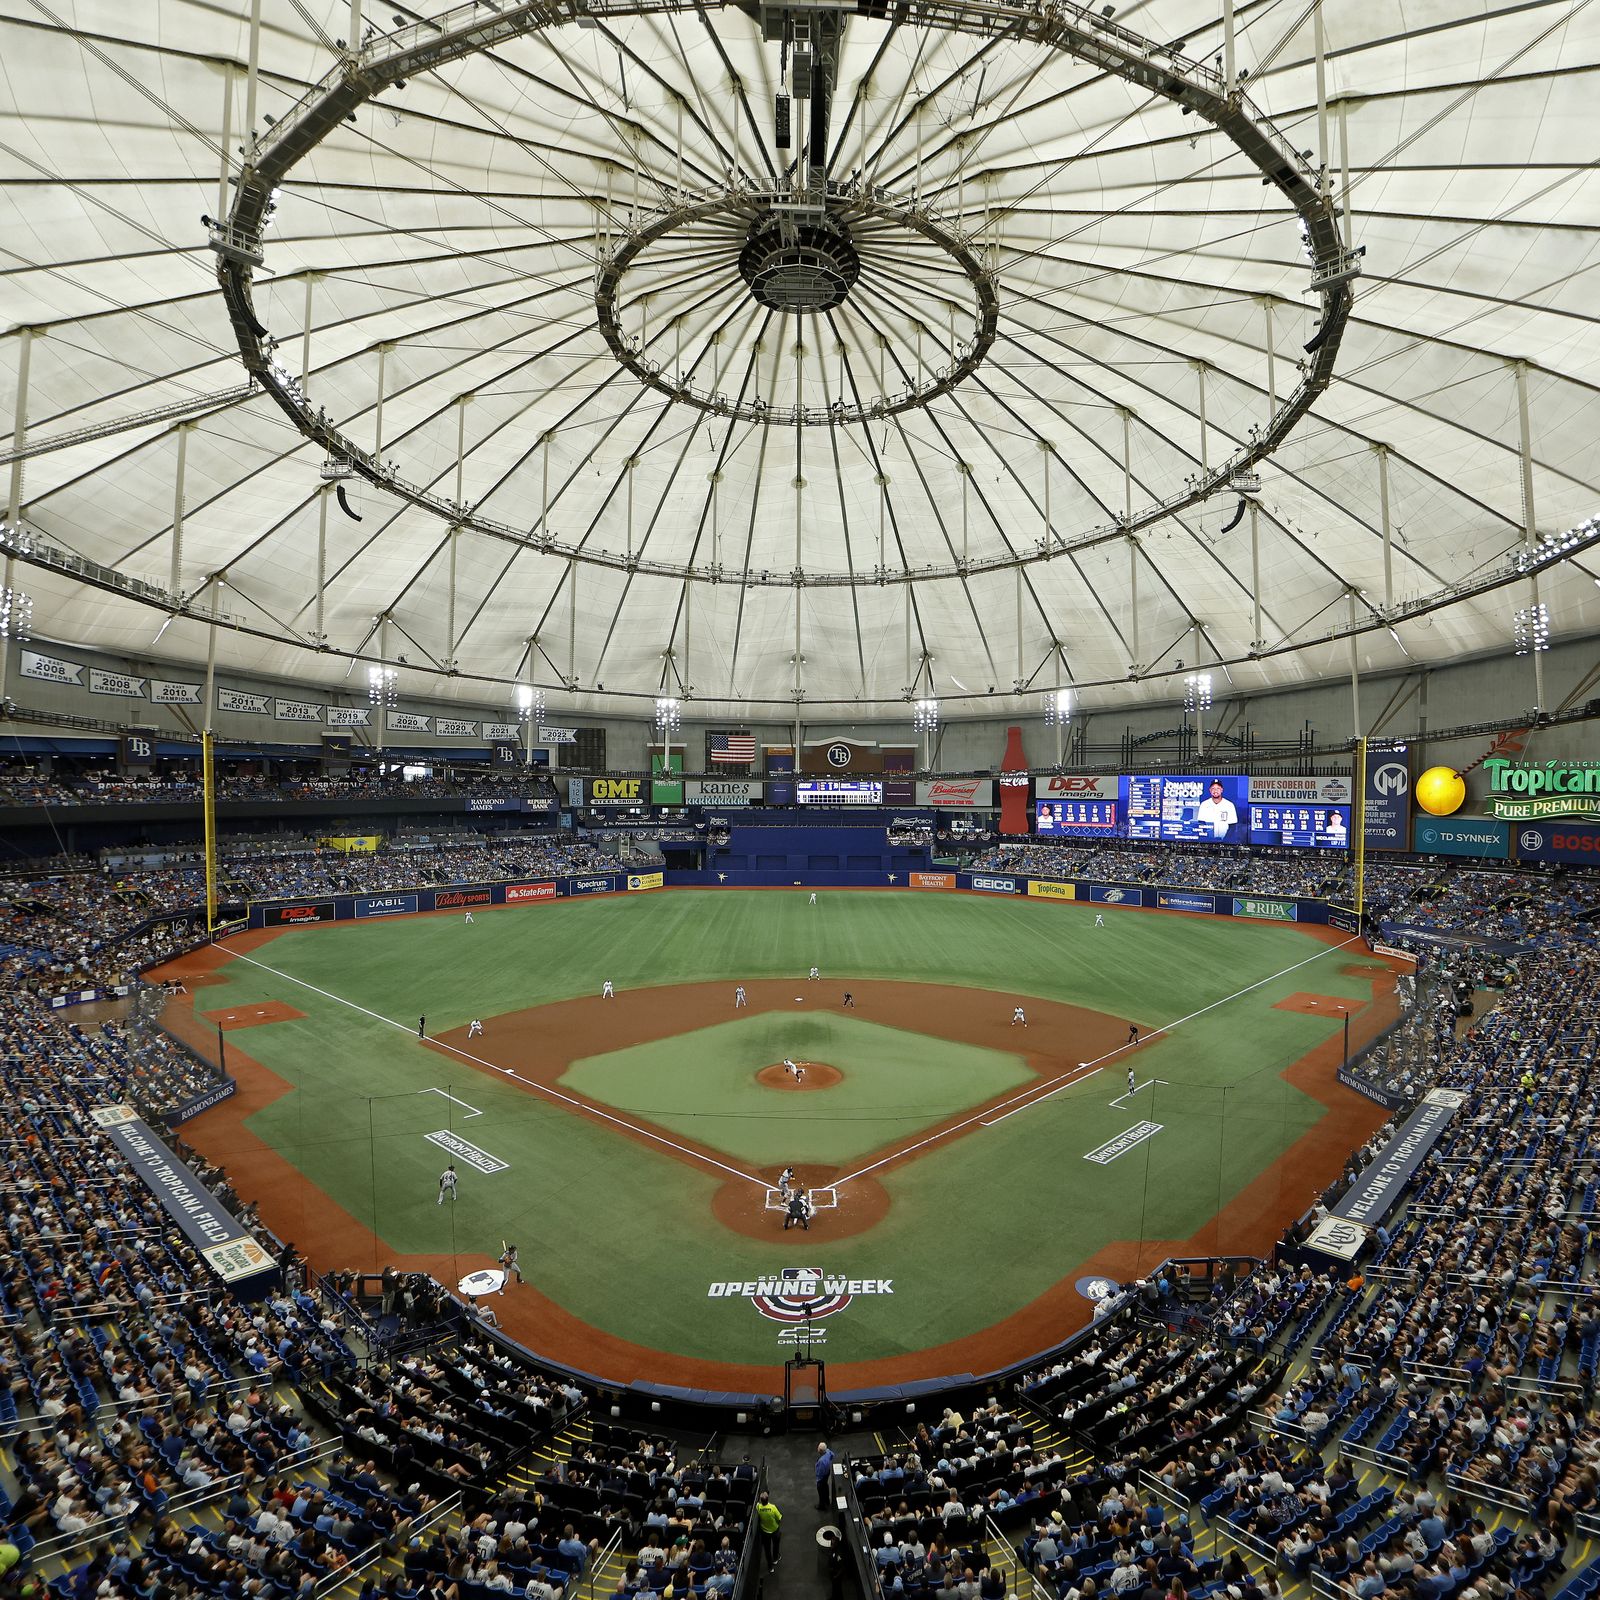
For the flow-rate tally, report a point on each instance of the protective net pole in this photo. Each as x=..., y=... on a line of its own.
x=209, y=808
x=1359, y=828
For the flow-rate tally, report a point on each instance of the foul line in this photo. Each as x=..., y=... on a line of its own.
x=471, y=1111
x=580, y=1106
x=1032, y=1095
x=1134, y=1090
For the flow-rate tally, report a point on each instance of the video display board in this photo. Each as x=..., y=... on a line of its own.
x=1202, y=808
x=1076, y=819
x=839, y=792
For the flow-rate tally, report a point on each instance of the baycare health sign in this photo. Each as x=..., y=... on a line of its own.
x=618, y=791
x=1525, y=791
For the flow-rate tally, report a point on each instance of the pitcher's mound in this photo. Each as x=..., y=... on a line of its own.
x=814, y=1075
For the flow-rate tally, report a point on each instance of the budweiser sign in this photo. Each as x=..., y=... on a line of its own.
x=957, y=794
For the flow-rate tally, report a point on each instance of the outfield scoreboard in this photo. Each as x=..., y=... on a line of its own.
x=838, y=792
x=1303, y=827
x=1075, y=818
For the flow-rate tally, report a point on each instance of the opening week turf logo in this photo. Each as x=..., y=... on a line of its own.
x=799, y=1294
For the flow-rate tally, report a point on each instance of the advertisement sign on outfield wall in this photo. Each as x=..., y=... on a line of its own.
x=590, y=885
x=1265, y=910
x=645, y=880
x=990, y=885
x=1168, y=900
x=297, y=915
x=1042, y=889
x=517, y=893
x=721, y=792
x=1463, y=836
x=386, y=905
x=461, y=899
x=931, y=880
x=1115, y=894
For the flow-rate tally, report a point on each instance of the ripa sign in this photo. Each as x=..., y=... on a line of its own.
x=1520, y=791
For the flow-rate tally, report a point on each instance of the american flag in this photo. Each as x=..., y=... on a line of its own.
x=737, y=749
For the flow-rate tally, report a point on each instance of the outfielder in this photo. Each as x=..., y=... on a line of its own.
x=447, y=1183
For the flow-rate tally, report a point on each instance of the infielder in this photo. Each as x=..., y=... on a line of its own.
x=474, y=1028
x=1132, y=1087
x=606, y=991
x=447, y=1183
x=1018, y=1016
x=815, y=975
x=739, y=998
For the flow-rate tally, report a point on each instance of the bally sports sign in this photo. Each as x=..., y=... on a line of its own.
x=799, y=1294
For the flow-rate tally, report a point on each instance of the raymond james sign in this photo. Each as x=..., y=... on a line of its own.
x=1519, y=791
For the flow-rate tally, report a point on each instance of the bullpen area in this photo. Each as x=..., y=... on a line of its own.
x=970, y=1175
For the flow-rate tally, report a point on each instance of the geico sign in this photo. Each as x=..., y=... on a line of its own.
x=616, y=788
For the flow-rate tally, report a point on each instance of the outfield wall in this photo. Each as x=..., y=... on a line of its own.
x=309, y=911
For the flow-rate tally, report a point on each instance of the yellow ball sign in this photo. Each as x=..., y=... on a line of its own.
x=1441, y=791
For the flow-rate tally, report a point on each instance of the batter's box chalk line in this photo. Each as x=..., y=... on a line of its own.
x=821, y=1199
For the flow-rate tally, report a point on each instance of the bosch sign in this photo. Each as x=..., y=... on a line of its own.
x=1558, y=842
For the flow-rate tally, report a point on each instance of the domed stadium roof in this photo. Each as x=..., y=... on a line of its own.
x=972, y=345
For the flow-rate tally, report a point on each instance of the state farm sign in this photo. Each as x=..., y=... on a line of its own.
x=1075, y=786
x=518, y=892
x=957, y=794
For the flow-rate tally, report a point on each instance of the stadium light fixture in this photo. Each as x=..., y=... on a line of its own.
x=1058, y=708
x=669, y=715
x=925, y=716
x=1530, y=628
x=530, y=703
x=1197, y=692
x=383, y=687
x=16, y=613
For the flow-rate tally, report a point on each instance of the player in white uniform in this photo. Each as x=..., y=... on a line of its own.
x=1132, y=1088
x=606, y=991
x=1018, y=1016
x=474, y=1028
x=739, y=998
x=469, y=916
x=813, y=897
x=1099, y=919
x=447, y=1183
x=815, y=975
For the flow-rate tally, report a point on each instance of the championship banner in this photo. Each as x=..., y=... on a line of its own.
x=456, y=728
x=228, y=1249
x=1378, y=1188
x=349, y=716
x=556, y=735
x=1388, y=795
x=1043, y=889
x=297, y=711
x=117, y=683
x=721, y=792
x=254, y=705
x=645, y=880
x=409, y=722
x=165, y=692
x=50, y=669
x=495, y=731
x=956, y=794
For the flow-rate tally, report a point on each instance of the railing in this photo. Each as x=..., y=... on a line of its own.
x=375, y=1553
x=597, y=1564
x=1025, y=1584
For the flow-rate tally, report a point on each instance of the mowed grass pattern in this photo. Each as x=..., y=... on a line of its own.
x=975, y=1230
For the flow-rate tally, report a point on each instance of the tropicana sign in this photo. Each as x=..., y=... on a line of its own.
x=1522, y=792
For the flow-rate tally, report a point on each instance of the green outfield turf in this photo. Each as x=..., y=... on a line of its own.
x=703, y=1085
x=608, y=1226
